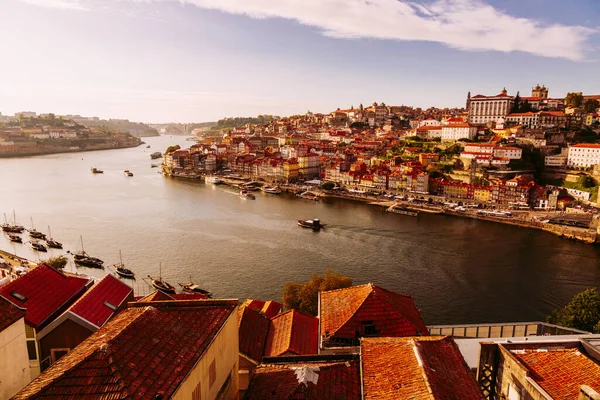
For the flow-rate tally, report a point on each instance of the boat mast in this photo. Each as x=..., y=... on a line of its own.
x=120, y=258
x=49, y=233
x=160, y=271
x=81, y=240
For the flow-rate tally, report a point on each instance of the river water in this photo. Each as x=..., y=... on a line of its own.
x=458, y=270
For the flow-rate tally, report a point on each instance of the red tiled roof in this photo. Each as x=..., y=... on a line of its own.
x=9, y=313
x=157, y=295
x=48, y=292
x=253, y=331
x=145, y=350
x=93, y=307
x=587, y=145
x=334, y=380
x=392, y=314
x=391, y=369
x=560, y=372
x=269, y=308
x=292, y=333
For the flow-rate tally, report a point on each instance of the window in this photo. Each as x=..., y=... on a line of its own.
x=369, y=329
x=212, y=373
x=56, y=354
x=31, y=350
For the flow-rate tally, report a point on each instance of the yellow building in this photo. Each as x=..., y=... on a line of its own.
x=589, y=119
x=14, y=363
x=290, y=170
x=482, y=194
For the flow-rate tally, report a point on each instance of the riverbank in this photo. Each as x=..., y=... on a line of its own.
x=40, y=151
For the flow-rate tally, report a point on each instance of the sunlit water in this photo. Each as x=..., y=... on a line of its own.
x=458, y=270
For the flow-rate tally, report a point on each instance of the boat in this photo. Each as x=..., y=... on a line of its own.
x=270, y=190
x=38, y=246
x=402, y=211
x=213, y=179
x=128, y=172
x=14, y=228
x=160, y=284
x=191, y=287
x=97, y=171
x=155, y=155
x=15, y=238
x=314, y=224
x=308, y=195
x=36, y=234
x=84, y=259
x=244, y=194
x=148, y=146
x=53, y=244
x=153, y=165
x=249, y=188
x=121, y=270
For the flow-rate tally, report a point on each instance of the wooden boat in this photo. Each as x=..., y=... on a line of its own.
x=53, y=244
x=244, y=194
x=155, y=155
x=215, y=180
x=128, y=172
x=191, y=287
x=402, y=211
x=84, y=259
x=36, y=234
x=15, y=238
x=270, y=190
x=97, y=171
x=314, y=224
x=38, y=246
x=309, y=196
x=122, y=271
x=160, y=284
x=14, y=228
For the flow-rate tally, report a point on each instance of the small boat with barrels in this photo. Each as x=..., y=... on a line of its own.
x=270, y=190
x=53, y=244
x=97, y=171
x=35, y=233
x=161, y=284
x=128, y=172
x=121, y=270
x=314, y=224
x=38, y=247
x=191, y=288
x=244, y=194
x=84, y=259
x=14, y=227
x=15, y=238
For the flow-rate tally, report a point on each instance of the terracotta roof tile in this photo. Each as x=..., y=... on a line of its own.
x=391, y=369
x=292, y=333
x=253, y=332
x=102, y=301
x=343, y=312
x=48, y=292
x=269, y=308
x=145, y=350
x=157, y=295
x=334, y=380
x=560, y=372
x=9, y=313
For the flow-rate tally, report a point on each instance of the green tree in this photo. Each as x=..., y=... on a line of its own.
x=583, y=312
x=304, y=297
x=574, y=99
x=525, y=106
x=328, y=185
x=591, y=105
x=586, y=181
x=172, y=149
x=516, y=103
x=58, y=262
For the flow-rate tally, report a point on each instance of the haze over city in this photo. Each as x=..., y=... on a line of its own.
x=201, y=60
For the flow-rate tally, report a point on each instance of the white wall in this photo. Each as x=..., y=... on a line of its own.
x=14, y=361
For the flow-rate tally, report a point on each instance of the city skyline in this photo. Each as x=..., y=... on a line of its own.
x=201, y=60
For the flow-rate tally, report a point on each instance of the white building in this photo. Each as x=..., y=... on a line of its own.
x=583, y=155
x=14, y=367
x=555, y=161
x=484, y=109
x=528, y=119
x=479, y=148
x=512, y=153
x=455, y=132
x=430, y=122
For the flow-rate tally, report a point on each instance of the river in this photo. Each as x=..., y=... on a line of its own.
x=458, y=270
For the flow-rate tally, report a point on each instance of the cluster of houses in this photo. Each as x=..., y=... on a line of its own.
x=66, y=336
x=366, y=149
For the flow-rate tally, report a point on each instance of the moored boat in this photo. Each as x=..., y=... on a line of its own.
x=15, y=238
x=97, y=171
x=14, y=227
x=309, y=196
x=270, y=190
x=53, y=244
x=314, y=224
x=121, y=270
x=128, y=172
x=162, y=285
x=215, y=180
x=244, y=194
x=402, y=211
x=38, y=246
x=155, y=155
x=36, y=234
x=191, y=287
x=84, y=259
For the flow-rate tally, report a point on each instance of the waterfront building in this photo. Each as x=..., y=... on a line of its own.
x=583, y=155
x=156, y=350
x=14, y=367
x=31, y=292
x=485, y=109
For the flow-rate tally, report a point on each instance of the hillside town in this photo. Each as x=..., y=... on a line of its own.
x=29, y=134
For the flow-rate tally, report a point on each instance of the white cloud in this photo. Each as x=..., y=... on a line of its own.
x=64, y=4
x=462, y=24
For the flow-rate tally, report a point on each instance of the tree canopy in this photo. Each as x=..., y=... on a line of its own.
x=304, y=297
x=573, y=99
x=58, y=262
x=591, y=105
x=583, y=312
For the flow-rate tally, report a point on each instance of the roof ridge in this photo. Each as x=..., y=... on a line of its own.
x=419, y=358
x=357, y=308
x=346, y=288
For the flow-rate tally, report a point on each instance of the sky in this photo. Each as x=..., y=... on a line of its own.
x=201, y=60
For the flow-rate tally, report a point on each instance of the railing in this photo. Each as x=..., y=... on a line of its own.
x=503, y=330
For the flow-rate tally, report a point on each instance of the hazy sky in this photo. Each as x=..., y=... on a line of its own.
x=199, y=60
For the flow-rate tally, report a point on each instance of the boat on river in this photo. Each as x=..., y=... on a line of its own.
x=128, y=172
x=14, y=227
x=191, y=287
x=402, y=211
x=35, y=233
x=161, y=284
x=13, y=237
x=270, y=190
x=121, y=270
x=155, y=155
x=314, y=224
x=84, y=259
x=38, y=246
x=53, y=244
x=244, y=194
x=215, y=180
x=97, y=171
x=309, y=196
